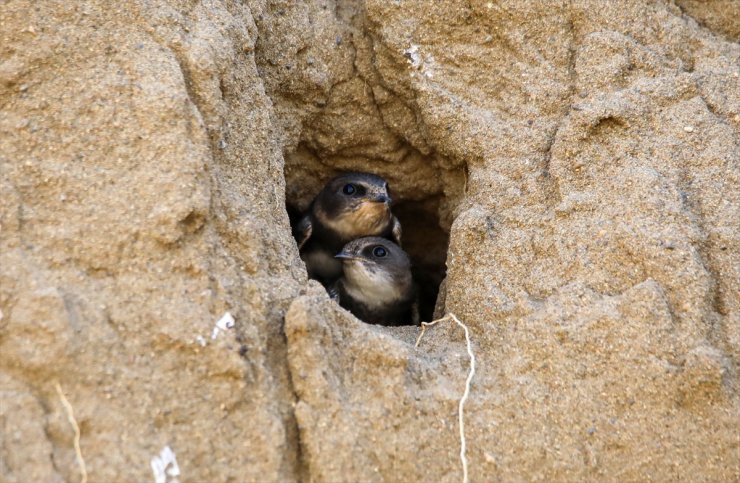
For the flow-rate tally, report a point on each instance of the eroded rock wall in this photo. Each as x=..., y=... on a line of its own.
x=593, y=251
x=142, y=198
x=581, y=155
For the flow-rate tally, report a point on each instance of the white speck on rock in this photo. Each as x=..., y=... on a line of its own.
x=412, y=54
x=165, y=467
x=423, y=63
x=226, y=322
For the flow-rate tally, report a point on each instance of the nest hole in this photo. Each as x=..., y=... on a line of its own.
x=424, y=240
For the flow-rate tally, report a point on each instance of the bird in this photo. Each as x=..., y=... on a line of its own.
x=376, y=283
x=349, y=206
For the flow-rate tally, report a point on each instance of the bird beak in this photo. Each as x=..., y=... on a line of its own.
x=383, y=199
x=345, y=256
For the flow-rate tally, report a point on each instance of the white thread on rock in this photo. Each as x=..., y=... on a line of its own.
x=468, y=381
x=76, y=427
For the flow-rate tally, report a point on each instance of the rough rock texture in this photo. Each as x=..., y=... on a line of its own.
x=141, y=188
x=581, y=156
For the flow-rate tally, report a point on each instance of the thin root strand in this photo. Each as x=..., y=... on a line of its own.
x=76, y=427
x=468, y=382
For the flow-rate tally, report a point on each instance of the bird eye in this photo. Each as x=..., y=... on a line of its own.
x=379, y=252
x=349, y=189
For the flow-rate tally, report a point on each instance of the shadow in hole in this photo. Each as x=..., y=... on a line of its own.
x=426, y=243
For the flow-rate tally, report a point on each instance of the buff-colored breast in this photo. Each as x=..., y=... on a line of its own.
x=367, y=220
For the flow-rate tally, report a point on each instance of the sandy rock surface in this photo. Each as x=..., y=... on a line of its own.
x=579, y=158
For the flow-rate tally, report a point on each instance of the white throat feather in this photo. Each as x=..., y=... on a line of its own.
x=370, y=285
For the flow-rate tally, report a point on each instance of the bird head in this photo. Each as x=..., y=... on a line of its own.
x=376, y=267
x=355, y=204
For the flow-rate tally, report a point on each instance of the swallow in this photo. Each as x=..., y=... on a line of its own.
x=376, y=283
x=350, y=206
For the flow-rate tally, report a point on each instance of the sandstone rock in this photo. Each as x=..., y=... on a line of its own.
x=573, y=164
x=143, y=186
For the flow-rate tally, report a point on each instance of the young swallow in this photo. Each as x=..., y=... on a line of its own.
x=376, y=284
x=350, y=206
